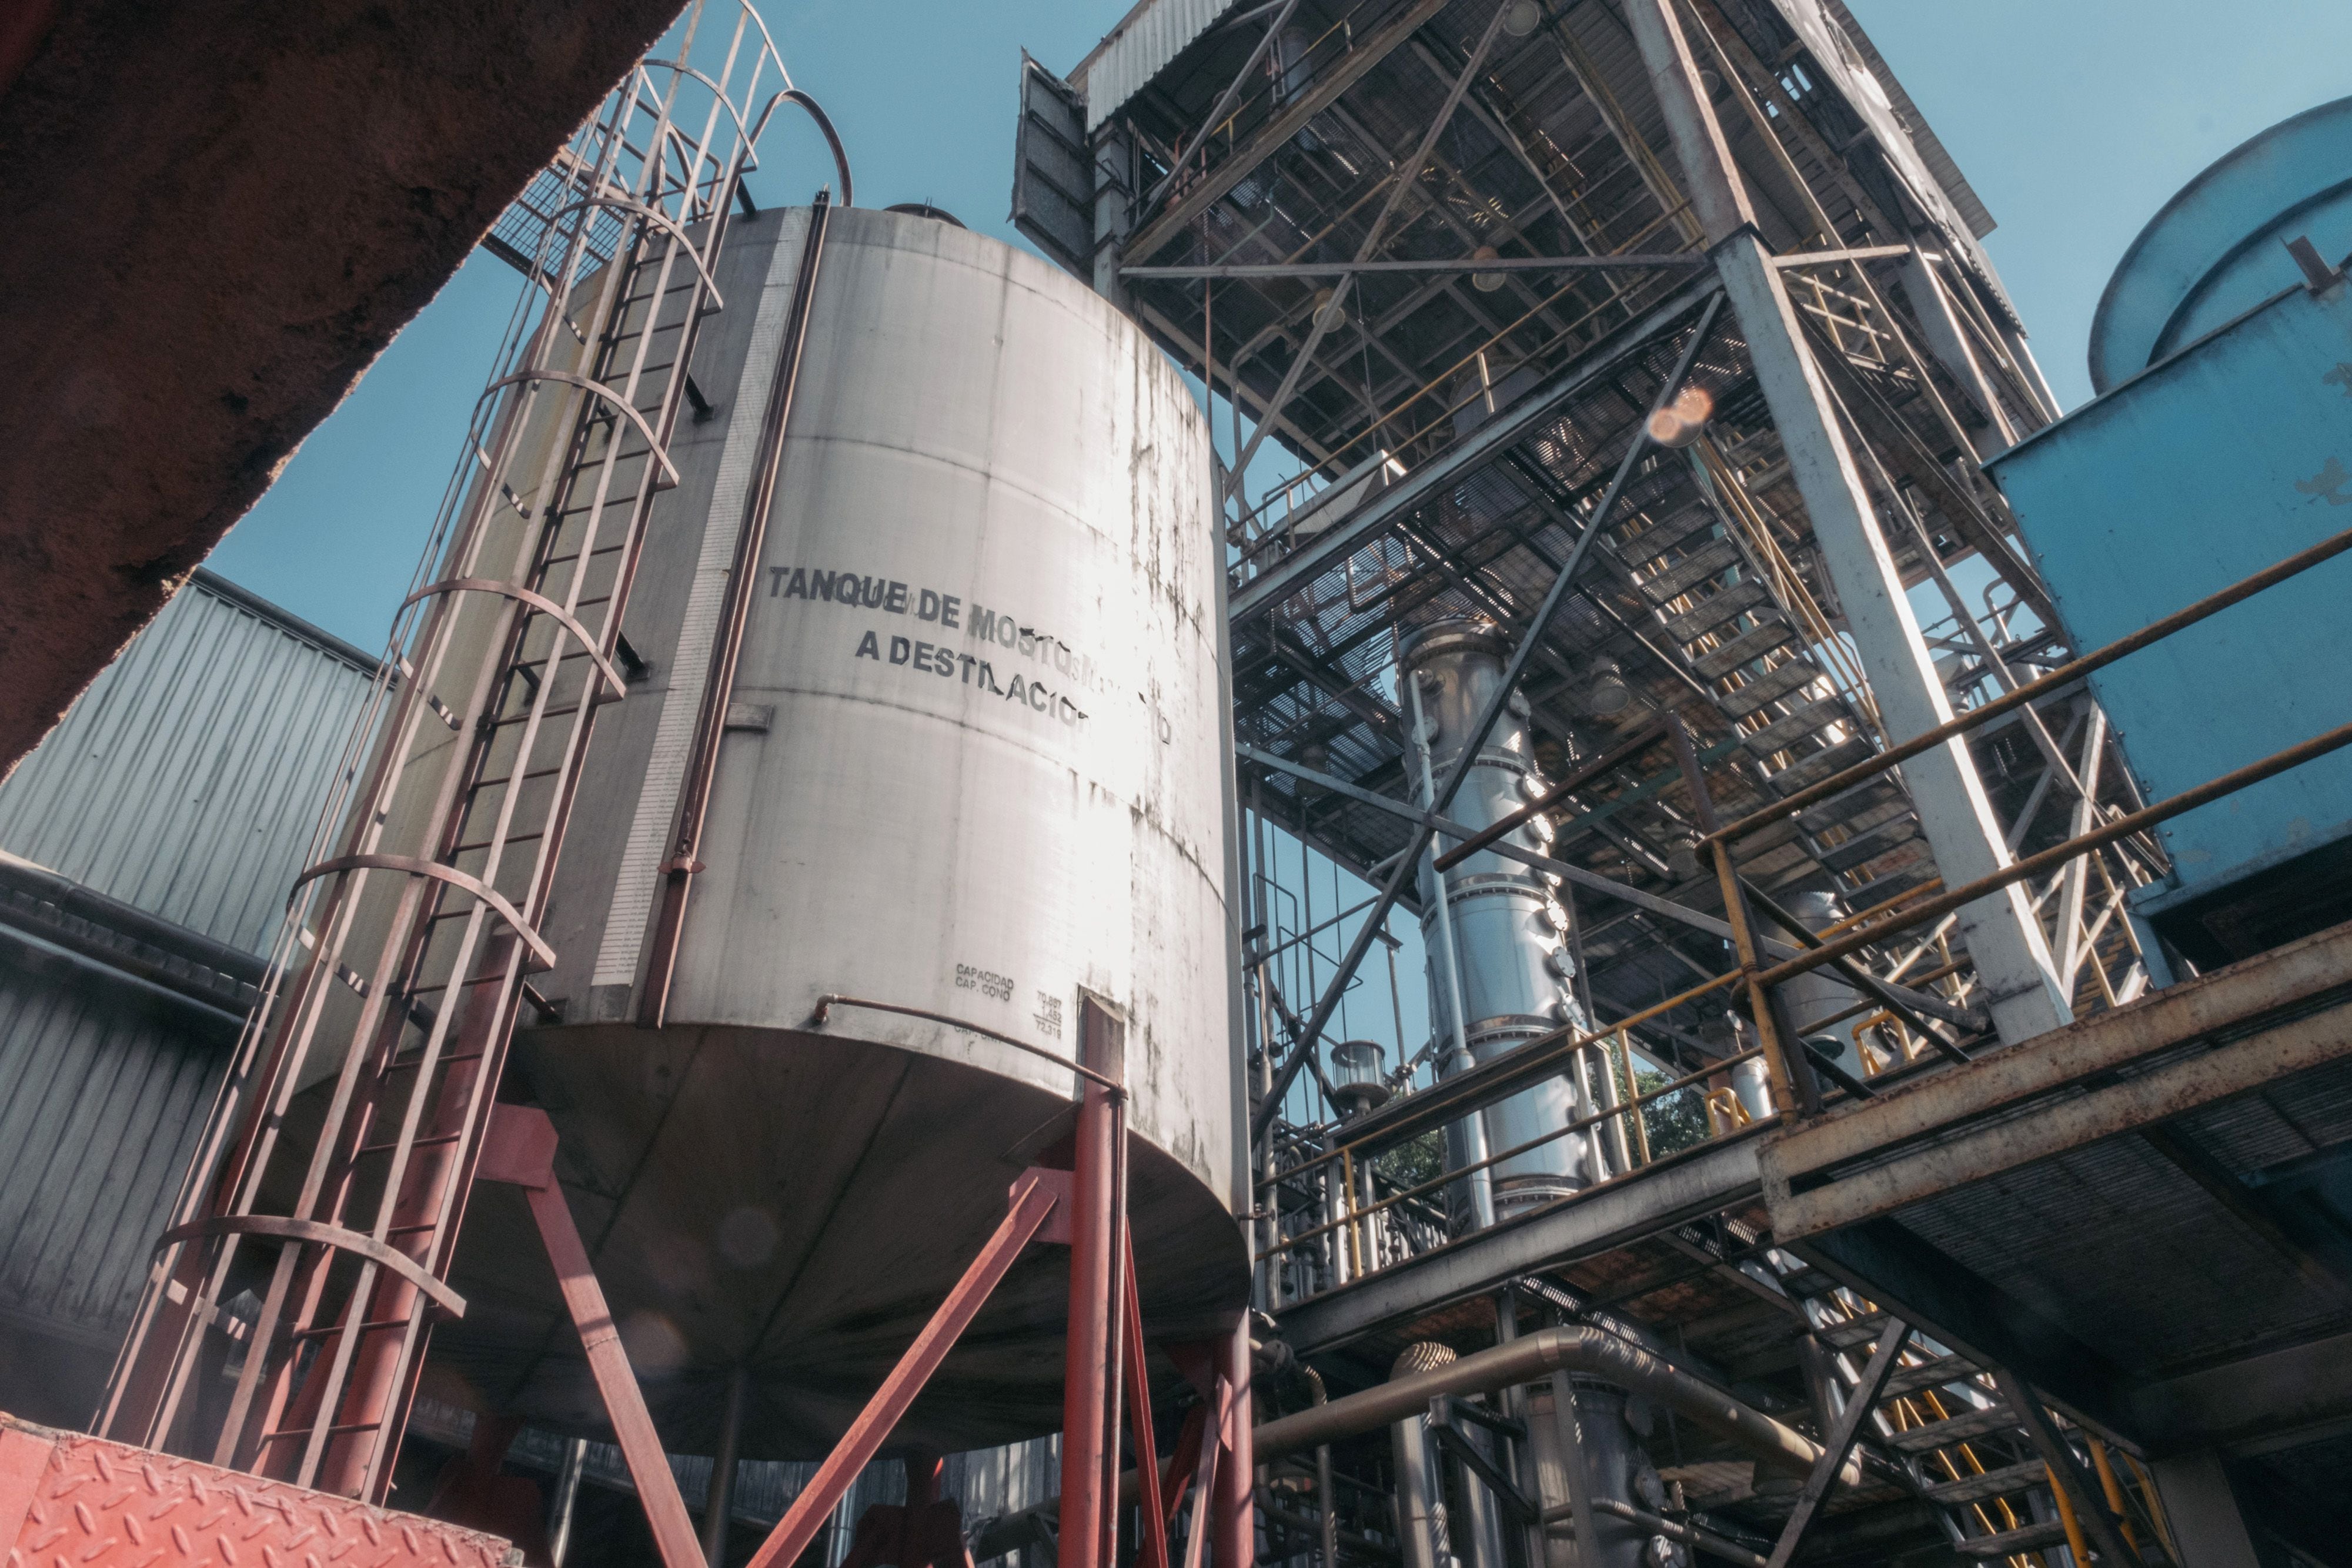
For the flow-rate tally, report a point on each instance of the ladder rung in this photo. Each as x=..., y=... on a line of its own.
x=335, y=1431
x=419, y=1144
x=372, y=1326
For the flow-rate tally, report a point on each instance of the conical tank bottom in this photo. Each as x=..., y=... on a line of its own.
x=798, y=1205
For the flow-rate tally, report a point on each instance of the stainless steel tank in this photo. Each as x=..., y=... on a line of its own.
x=1495, y=932
x=975, y=760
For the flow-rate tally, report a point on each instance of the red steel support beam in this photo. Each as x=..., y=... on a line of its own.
x=1036, y=1197
x=521, y=1149
x=1234, y=1522
x=1153, y=1515
x=1090, y=1362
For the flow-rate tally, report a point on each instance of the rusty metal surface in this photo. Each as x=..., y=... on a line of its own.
x=2187, y=1046
x=95, y=1504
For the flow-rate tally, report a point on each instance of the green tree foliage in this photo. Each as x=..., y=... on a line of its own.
x=1410, y=1164
x=1674, y=1123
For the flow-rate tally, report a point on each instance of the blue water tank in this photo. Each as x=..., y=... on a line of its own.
x=2220, y=442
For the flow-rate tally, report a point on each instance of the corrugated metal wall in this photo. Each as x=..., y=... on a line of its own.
x=107, y=1091
x=186, y=781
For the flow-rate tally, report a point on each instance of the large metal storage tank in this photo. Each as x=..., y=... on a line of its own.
x=975, y=761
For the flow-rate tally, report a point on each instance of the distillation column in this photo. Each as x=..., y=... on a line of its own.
x=1495, y=933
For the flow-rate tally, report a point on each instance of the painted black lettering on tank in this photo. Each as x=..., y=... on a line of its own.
x=869, y=649
x=965, y=662
x=949, y=608
x=874, y=593
x=821, y=586
x=896, y=603
x=776, y=575
x=926, y=606
x=901, y=649
x=923, y=657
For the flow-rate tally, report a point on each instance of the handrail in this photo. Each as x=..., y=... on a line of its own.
x=1629, y=1108
x=2042, y=686
x=2058, y=855
x=826, y=1003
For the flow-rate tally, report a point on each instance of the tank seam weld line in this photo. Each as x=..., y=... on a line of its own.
x=634, y=885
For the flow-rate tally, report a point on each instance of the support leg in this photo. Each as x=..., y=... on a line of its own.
x=1154, y=1553
x=719, y=1501
x=1232, y=1498
x=2003, y=936
x=1090, y=1365
x=521, y=1149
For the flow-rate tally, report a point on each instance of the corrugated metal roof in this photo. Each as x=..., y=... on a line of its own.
x=1135, y=51
x=108, y=1091
x=188, y=778
x=1940, y=162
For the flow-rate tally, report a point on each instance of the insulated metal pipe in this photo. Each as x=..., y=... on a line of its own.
x=1588, y=1352
x=1591, y=1351
x=1420, y=1501
x=719, y=1501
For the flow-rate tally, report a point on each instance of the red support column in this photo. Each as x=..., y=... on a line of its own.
x=1090, y=1365
x=1233, y=1515
x=1152, y=1516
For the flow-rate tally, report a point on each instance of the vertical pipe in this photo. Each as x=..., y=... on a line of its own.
x=1087, y=1367
x=1326, y=1513
x=567, y=1499
x=720, y=1499
x=1515, y=1406
x=1419, y=1503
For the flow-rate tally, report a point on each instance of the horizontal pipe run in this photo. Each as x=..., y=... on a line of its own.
x=1608, y=761
x=1631, y=1107
x=2059, y=854
x=1580, y=1349
x=2155, y=631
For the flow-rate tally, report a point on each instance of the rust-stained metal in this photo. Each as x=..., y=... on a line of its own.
x=400, y=971
x=1037, y=1198
x=1970, y=1122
